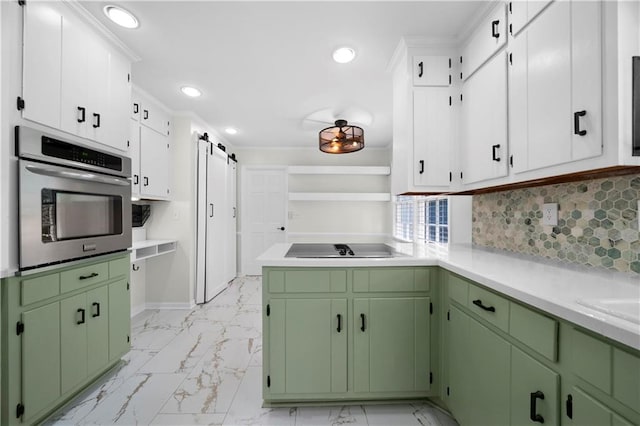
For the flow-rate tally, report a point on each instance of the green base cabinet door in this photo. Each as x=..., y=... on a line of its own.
x=307, y=346
x=534, y=391
x=479, y=374
x=97, y=329
x=119, y=318
x=40, y=359
x=391, y=344
x=73, y=333
x=460, y=399
x=587, y=411
x=489, y=376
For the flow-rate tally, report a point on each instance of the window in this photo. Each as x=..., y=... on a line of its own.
x=432, y=220
x=428, y=216
x=404, y=212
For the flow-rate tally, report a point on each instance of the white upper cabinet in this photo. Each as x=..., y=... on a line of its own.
x=483, y=144
x=556, y=87
x=154, y=164
x=73, y=80
x=150, y=114
x=432, y=137
x=149, y=150
x=489, y=37
x=521, y=12
x=134, y=153
x=431, y=70
x=41, y=63
x=423, y=119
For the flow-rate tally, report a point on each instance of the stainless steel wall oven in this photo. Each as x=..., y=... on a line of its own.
x=74, y=201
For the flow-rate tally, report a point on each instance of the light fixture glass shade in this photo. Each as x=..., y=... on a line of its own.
x=120, y=16
x=341, y=138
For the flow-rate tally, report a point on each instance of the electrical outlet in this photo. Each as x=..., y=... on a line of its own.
x=550, y=214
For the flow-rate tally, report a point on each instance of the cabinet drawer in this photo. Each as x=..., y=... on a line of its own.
x=537, y=331
x=41, y=288
x=82, y=277
x=626, y=378
x=309, y=281
x=489, y=306
x=595, y=368
x=458, y=290
x=119, y=267
x=391, y=280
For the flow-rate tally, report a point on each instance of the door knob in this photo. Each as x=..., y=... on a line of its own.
x=281, y=228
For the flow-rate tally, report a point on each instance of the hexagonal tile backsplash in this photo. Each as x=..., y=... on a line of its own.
x=597, y=222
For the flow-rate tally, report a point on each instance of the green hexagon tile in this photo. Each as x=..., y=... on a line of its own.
x=597, y=222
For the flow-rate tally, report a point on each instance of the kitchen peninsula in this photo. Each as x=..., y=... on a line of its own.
x=462, y=326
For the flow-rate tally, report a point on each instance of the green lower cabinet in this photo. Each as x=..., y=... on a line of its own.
x=479, y=374
x=488, y=376
x=307, y=346
x=40, y=360
x=587, y=411
x=391, y=344
x=73, y=341
x=97, y=329
x=59, y=332
x=460, y=399
x=119, y=313
x=534, y=391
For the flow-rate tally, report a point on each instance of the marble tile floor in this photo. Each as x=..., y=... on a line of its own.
x=203, y=367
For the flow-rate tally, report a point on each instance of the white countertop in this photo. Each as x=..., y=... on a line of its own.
x=546, y=285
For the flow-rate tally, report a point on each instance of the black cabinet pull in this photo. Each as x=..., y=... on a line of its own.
x=145, y=115
x=494, y=152
x=97, y=310
x=339, y=329
x=362, y=327
x=81, y=312
x=136, y=108
x=569, y=406
x=86, y=277
x=211, y=205
x=146, y=181
x=479, y=304
x=533, y=411
x=421, y=167
x=136, y=179
x=421, y=72
x=83, y=112
x=494, y=29
x=96, y=121
x=576, y=123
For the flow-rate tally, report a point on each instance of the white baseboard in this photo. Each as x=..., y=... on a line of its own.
x=162, y=306
x=135, y=310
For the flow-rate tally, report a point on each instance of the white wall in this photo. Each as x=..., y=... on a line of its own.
x=316, y=221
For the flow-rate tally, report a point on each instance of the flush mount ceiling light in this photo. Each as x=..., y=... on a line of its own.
x=120, y=16
x=344, y=55
x=192, y=92
x=230, y=131
x=341, y=138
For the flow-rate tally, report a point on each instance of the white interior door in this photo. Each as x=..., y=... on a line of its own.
x=215, y=280
x=201, y=221
x=264, y=213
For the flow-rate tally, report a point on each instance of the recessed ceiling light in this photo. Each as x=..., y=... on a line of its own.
x=344, y=55
x=231, y=130
x=191, y=91
x=120, y=16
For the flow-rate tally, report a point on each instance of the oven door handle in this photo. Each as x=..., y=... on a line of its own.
x=70, y=174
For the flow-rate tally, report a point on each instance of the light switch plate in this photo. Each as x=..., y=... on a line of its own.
x=550, y=214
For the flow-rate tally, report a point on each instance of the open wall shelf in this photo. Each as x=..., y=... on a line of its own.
x=151, y=248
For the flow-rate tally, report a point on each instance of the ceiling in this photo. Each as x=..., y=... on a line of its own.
x=264, y=66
